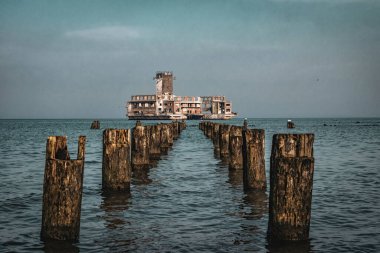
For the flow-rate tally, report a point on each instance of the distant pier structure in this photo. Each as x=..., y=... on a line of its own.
x=165, y=105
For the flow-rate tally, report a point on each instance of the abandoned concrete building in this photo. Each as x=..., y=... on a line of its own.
x=165, y=105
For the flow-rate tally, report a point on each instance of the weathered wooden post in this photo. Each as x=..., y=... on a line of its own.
x=183, y=125
x=170, y=136
x=209, y=129
x=205, y=128
x=175, y=128
x=95, y=124
x=236, y=148
x=154, y=142
x=62, y=191
x=140, y=149
x=116, y=166
x=215, y=139
x=165, y=135
x=201, y=125
x=254, y=159
x=291, y=183
x=224, y=142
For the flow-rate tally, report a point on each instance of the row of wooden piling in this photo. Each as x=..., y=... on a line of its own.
x=291, y=173
x=241, y=149
x=127, y=153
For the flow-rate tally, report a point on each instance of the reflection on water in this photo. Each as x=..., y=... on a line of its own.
x=141, y=177
x=235, y=177
x=258, y=201
x=153, y=163
x=56, y=246
x=289, y=247
x=114, y=205
x=217, y=153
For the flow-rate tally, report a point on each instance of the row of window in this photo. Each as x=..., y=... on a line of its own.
x=147, y=97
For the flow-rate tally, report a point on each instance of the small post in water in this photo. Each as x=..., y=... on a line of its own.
x=95, y=124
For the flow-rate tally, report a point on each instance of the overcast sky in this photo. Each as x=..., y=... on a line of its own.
x=272, y=58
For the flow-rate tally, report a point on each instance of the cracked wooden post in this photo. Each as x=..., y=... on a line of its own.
x=291, y=183
x=182, y=125
x=236, y=148
x=205, y=131
x=165, y=135
x=224, y=142
x=116, y=165
x=154, y=142
x=201, y=126
x=62, y=190
x=254, y=159
x=209, y=130
x=215, y=139
x=175, y=128
x=170, y=136
x=140, y=149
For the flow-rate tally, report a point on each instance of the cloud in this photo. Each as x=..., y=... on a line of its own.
x=106, y=33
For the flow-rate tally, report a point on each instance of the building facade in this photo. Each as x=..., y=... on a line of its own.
x=165, y=105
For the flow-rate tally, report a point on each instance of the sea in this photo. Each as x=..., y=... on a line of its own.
x=191, y=202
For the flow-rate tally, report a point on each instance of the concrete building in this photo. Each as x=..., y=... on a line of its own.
x=165, y=105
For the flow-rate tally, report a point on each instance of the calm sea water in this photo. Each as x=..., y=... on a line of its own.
x=193, y=204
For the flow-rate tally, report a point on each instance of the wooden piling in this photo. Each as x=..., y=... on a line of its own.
x=175, y=129
x=170, y=136
x=201, y=125
x=291, y=183
x=62, y=190
x=215, y=139
x=290, y=124
x=254, y=159
x=182, y=125
x=236, y=148
x=165, y=136
x=154, y=142
x=224, y=142
x=116, y=166
x=209, y=129
x=140, y=148
x=95, y=124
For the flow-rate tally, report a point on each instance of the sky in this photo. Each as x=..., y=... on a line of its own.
x=271, y=58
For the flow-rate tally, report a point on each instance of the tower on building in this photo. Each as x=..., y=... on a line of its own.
x=164, y=82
